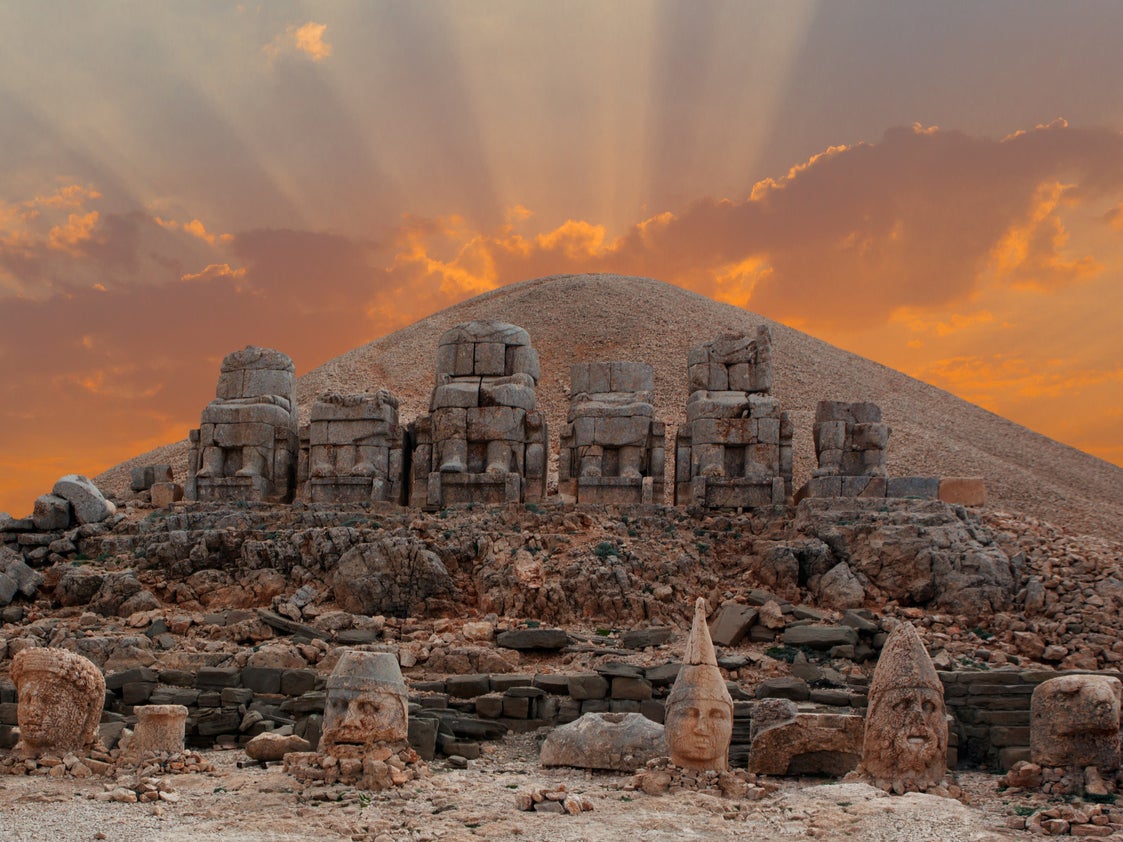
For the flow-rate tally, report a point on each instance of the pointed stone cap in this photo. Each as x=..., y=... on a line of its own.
x=904, y=662
x=699, y=677
x=367, y=671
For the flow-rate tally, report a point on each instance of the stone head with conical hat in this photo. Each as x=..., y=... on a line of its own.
x=906, y=742
x=699, y=718
x=367, y=704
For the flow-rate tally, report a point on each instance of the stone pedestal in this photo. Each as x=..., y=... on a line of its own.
x=159, y=730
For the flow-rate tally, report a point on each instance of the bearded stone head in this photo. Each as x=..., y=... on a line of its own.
x=366, y=706
x=61, y=695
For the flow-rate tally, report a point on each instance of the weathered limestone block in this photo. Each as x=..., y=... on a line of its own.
x=906, y=740
x=51, y=513
x=60, y=700
x=613, y=450
x=159, y=730
x=808, y=744
x=619, y=741
x=166, y=493
x=737, y=441
x=850, y=439
x=366, y=707
x=88, y=503
x=247, y=443
x=393, y=576
x=483, y=441
x=143, y=477
x=1074, y=721
x=964, y=491
x=354, y=449
x=699, y=709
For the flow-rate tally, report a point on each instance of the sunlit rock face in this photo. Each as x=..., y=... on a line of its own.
x=905, y=747
x=1074, y=721
x=366, y=705
x=247, y=442
x=483, y=441
x=60, y=700
x=699, y=716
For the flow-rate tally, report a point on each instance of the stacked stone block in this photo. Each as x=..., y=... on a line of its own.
x=247, y=441
x=483, y=441
x=735, y=450
x=613, y=449
x=850, y=439
x=354, y=451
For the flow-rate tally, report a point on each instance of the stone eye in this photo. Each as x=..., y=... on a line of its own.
x=929, y=707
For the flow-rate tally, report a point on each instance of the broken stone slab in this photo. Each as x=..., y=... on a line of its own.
x=532, y=639
x=786, y=687
x=166, y=493
x=643, y=638
x=90, y=505
x=616, y=741
x=143, y=477
x=808, y=744
x=732, y=623
x=269, y=746
x=51, y=513
x=280, y=623
x=820, y=637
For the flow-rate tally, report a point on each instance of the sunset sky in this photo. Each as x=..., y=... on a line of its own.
x=936, y=186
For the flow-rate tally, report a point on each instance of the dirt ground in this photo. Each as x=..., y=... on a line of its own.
x=251, y=803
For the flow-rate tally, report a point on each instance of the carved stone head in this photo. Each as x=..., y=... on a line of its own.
x=60, y=700
x=906, y=742
x=1074, y=721
x=366, y=704
x=699, y=718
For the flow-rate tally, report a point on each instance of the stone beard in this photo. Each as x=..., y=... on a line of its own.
x=703, y=729
x=357, y=720
x=910, y=731
x=60, y=700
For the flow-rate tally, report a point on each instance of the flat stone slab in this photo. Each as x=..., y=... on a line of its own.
x=820, y=637
x=533, y=639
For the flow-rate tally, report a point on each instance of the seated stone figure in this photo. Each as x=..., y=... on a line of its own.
x=60, y=700
x=698, y=724
x=612, y=447
x=366, y=706
x=483, y=441
x=354, y=449
x=735, y=449
x=1074, y=721
x=246, y=444
x=850, y=439
x=906, y=740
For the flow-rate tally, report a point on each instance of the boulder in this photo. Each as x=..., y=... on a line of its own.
x=51, y=513
x=394, y=577
x=618, y=741
x=533, y=639
x=269, y=746
x=808, y=744
x=90, y=505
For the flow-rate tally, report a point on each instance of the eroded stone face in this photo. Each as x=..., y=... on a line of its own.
x=60, y=700
x=699, y=715
x=366, y=705
x=1074, y=721
x=905, y=747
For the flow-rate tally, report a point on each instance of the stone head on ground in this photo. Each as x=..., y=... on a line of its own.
x=1074, y=721
x=699, y=717
x=61, y=695
x=905, y=747
x=366, y=705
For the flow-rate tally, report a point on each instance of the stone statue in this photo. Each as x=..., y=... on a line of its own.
x=735, y=449
x=60, y=700
x=483, y=441
x=906, y=742
x=612, y=447
x=699, y=718
x=1074, y=721
x=366, y=705
x=354, y=449
x=159, y=729
x=247, y=441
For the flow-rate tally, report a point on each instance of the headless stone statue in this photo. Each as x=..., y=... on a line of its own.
x=1074, y=721
x=60, y=699
x=699, y=718
x=906, y=742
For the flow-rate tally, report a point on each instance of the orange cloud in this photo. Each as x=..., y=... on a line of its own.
x=74, y=233
x=306, y=39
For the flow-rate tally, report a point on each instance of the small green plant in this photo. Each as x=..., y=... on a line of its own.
x=1106, y=798
x=782, y=653
x=534, y=508
x=703, y=548
x=533, y=624
x=604, y=632
x=1025, y=811
x=364, y=800
x=980, y=632
x=604, y=549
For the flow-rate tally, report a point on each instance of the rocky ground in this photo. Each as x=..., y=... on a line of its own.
x=253, y=804
x=182, y=589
